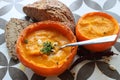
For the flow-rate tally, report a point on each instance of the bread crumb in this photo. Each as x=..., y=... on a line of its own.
x=106, y=59
x=112, y=67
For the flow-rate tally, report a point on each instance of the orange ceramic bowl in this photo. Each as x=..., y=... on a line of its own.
x=94, y=25
x=29, y=43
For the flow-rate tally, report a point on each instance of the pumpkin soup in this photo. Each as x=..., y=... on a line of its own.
x=97, y=26
x=94, y=25
x=38, y=45
x=34, y=49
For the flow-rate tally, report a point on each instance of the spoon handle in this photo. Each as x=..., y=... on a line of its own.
x=92, y=41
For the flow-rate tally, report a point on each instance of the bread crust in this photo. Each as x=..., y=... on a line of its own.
x=50, y=10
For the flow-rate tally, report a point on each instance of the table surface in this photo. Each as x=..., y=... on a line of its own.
x=86, y=70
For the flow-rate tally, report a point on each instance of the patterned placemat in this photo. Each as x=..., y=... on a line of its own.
x=85, y=70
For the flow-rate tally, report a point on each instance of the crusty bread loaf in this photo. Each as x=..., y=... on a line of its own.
x=13, y=29
x=50, y=10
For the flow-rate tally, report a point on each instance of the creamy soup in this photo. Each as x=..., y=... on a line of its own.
x=33, y=45
x=97, y=26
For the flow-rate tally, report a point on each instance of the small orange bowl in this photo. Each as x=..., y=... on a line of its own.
x=29, y=43
x=94, y=25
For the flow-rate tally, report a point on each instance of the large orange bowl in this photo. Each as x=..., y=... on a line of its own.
x=94, y=25
x=43, y=64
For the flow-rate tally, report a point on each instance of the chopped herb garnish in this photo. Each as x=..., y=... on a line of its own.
x=47, y=48
x=26, y=41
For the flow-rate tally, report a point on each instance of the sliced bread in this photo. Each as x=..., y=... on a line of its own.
x=12, y=31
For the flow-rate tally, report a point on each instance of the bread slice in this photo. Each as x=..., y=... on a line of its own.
x=12, y=31
x=50, y=10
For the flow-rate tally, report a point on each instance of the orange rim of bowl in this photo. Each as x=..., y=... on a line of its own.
x=94, y=47
x=46, y=71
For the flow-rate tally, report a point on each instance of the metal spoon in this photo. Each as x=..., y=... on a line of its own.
x=92, y=41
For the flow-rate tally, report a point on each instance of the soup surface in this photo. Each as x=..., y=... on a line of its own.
x=96, y=26
x=33, y=45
